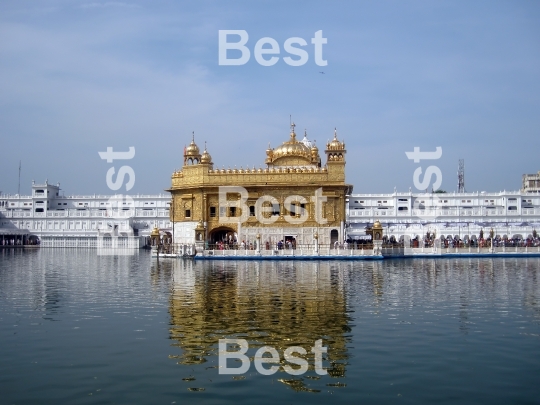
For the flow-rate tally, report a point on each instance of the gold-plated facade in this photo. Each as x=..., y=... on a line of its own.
x=281, y=204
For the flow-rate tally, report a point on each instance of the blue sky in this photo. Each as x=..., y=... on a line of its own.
x=78, y=77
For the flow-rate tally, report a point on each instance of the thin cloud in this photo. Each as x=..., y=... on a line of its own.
x=108, y=4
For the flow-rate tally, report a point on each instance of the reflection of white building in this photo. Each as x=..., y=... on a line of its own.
x=72, y=221
x=461, y=214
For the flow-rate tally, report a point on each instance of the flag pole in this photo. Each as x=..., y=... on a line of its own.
x=19, y=187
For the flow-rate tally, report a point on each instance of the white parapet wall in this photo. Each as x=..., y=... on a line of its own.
x=95, y=242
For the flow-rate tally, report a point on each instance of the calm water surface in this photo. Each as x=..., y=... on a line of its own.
x=76, y=328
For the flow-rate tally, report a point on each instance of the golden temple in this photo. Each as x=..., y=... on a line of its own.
x=294, y=199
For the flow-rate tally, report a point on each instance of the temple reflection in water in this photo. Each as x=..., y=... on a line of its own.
x=283, y=304
x=279, y=304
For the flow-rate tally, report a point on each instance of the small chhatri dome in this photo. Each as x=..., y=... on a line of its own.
x=192, y=155
x=377, y=225
x=206, y=158
x=314, y=148
x=192, y=149
x=335, y=144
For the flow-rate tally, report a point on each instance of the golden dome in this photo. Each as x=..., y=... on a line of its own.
x=192, y=154
x=292, y=147
x=192, y=149
x=335, y=144
x=377, y=225
x=155, y=231
x=293, y=153
x=206, y=158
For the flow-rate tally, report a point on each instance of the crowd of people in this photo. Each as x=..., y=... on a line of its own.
x=428, y=241
x=473, y=242
x=252, y=245
x=18, y=242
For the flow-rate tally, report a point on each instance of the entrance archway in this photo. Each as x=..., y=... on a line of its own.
x=223, y=235
x=334, y=236
x=290, y=241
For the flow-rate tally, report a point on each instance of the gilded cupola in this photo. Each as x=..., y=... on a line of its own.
x=192, y=154
x=315, y=158
x=335, y=144
x=335, y=150
x=292, y=152
x=206, y=158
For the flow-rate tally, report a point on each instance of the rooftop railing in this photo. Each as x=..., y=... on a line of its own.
x=87, y=213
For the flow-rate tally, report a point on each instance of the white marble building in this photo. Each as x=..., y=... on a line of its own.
x=511, y=213
x=78, y=220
